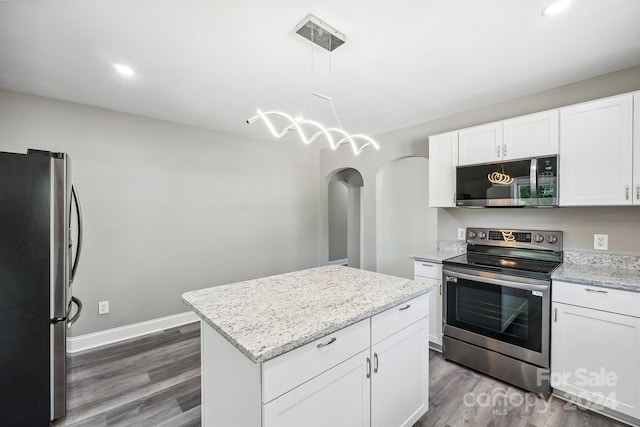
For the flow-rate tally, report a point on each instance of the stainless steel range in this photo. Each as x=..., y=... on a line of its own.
x=497, y=304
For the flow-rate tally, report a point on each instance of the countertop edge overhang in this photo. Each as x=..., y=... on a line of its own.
x=612, y=277
x=266, y=317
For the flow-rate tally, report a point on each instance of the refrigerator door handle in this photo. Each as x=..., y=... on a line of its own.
x=74, y=194
x=73, y=319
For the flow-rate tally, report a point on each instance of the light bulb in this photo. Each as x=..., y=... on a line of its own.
x=556, y=7
x=125, y=70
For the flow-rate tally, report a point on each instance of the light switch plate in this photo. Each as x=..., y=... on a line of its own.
x=462, y=234
x=103, y=307
x=601, y=242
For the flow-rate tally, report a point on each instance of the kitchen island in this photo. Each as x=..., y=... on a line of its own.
x=325, y=346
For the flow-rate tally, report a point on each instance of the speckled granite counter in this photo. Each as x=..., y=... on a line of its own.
x=444, y=249
x=437, y=255
x=266, y=317
x=593, y=275
x=600, y=269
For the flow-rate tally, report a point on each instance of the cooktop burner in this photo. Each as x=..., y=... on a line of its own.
x=527, y=253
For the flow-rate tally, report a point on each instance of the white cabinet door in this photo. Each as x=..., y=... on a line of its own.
x=400, y=377
x=443, y=159
x=480, y=144
x=636, y=148
x=435, y=310
x=594, y=355
x=338, y=397
x=595, y=152
x=533, y=135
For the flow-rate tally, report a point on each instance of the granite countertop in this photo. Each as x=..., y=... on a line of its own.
x=266, y=317
x=613, y=277
x=437, y=255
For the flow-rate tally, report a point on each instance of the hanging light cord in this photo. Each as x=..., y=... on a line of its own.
x=296, y=123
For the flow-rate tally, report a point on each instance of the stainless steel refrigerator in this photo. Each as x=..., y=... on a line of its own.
x=39, y=252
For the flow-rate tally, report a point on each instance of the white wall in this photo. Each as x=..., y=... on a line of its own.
x=403, y=212
x=170, y=208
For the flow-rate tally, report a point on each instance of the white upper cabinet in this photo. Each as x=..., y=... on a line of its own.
x=443, y=159
x=532, y=135
x=596, y=149
x=480, y=144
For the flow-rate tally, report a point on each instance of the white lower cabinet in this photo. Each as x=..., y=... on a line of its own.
x=400, y=377
x=372, y=373
x=431, y=274
x=595, y=347
x=338, y=397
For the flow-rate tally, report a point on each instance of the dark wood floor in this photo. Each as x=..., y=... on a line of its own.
x=155, y=381
x=149, y=381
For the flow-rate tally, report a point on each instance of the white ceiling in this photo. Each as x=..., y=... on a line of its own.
x=210, y=63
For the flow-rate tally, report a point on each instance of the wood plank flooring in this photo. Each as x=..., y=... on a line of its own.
x=155, y=381
x=149, y=381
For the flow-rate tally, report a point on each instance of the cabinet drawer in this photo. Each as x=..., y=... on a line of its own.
x=291, y=369
x=431, y=270
x=399, y=317
x=598, y=298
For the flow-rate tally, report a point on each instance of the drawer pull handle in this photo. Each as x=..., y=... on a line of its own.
x=324, y=344
x=598, y=291
x=375, y=363
x=368, y=368
x=405, y=307
x=427, y=265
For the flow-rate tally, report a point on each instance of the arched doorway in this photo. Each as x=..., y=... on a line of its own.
x=345, y=217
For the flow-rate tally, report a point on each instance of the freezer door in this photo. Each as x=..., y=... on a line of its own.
x=60, y=202
x=25, y=322
x=58, y=369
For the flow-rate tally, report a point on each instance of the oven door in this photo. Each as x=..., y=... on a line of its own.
x=506, y=314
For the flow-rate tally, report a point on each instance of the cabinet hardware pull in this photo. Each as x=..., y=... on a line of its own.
x=375, y=363
x=626, y=192
x=555, y=314
x=638, y=192
x=368, y=368
x=427, y=265
x=504, y=150
x=598, y=291
x=440, y=287
x=405, y=307
x=331, y=341
x=498, y=151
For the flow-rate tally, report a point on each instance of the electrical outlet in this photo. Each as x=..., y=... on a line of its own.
x=462, y=235
x=103, y=307
x=601, y=242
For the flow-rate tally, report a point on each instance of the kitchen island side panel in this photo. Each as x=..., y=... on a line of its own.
x=231, y=384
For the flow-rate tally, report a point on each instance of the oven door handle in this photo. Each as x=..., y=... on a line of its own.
x=499, y=282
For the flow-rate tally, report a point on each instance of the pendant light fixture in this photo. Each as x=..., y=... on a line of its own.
x=327, y=37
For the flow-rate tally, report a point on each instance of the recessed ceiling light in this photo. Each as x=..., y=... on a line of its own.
x=556, y=7
x=125, y=70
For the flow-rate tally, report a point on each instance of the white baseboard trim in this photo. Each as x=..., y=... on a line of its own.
x=109, y=336
x=338, y=262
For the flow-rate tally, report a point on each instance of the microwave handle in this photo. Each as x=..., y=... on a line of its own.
x=533, y=178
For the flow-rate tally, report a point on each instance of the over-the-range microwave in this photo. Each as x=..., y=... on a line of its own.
x=519, y=183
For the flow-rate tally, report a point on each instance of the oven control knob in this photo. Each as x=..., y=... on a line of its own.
x=482, y=235
x=471, y=234
x=538, y=238
x=551, y=238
